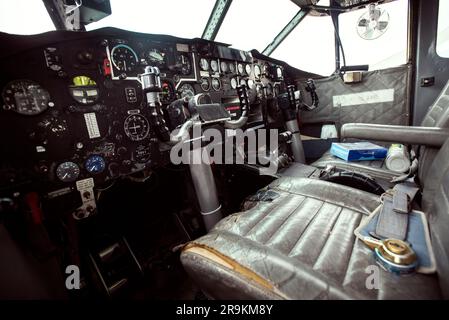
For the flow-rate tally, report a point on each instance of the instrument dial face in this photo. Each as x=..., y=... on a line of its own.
x=205, y=84
x=186, y=65
x=124, y=58
x=234, y=83
x=214, y=65
x=232, y=67
x=142, y=154
x=224, y=67
x=248, y=69
x=26, y=97
x=240, y=68
x=95, y=164
x=216, y=84
x=279, y=74
x=136, y=127
x=67, y=171
x=257, y=71
x=85, y=95
x=187, y=90
x=251, y=84
x=204, y=64
x=156, y=56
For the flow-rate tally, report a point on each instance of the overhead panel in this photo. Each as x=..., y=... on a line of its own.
x=216, y=19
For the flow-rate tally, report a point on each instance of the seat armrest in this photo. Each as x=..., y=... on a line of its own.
x=426, y=136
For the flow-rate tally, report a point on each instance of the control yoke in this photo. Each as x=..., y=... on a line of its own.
x=201, y=110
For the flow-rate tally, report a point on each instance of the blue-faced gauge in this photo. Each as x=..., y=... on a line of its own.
x=95, y=164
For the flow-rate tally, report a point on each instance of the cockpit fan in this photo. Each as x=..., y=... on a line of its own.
x=373, y=23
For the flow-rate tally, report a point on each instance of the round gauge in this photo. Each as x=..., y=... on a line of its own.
x=216, y=84
x=279, y=73
x=84, y=94
x=187, y=90
x=204, y=64
x=95, y=164
x=124, y=58
x=214, y=65
x=142, y=154
x=167, y=94
x=243, y=82
x=205, y=85
x=224, y=67
x=240, y=68
x=232, y=67
x=184, y=61
x=67, y=171
x=156, y=56
x=251, y=84
x=248, y=69
x=269, y=89
x=234, y=83
x=26, y=97
x=136, y=127
x=257, y=71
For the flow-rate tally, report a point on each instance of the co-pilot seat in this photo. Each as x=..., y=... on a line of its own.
x=437, y=117
x=297, y=242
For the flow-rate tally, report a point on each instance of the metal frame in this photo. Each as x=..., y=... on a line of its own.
x=61, y=20
x=285, y=32
x=216, y=18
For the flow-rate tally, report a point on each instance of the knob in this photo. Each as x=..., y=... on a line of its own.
x=113, y=169
x=85, y=57
x=121, y=151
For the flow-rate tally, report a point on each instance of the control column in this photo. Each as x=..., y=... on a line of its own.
x=287, y=104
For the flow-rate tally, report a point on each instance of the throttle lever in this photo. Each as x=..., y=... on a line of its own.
x=151, y=86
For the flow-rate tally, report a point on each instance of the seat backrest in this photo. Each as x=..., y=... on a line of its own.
x=438, y=113
x=436, y=116
x=435, y=203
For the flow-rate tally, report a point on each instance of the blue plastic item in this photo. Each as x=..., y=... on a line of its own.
x=358, y=151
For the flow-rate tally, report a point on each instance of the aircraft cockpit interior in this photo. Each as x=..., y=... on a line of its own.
x=224, y=149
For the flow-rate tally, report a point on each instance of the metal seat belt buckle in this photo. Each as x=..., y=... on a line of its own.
x=401, y=202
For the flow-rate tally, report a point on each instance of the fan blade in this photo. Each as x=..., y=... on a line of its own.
x=382, y=25
x=363, y=23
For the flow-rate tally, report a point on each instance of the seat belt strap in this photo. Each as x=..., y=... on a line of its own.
x=393, y=217
x=401, y=202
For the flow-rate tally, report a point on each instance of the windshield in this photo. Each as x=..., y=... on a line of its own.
x=253, y=24
x=24, y=17
x=187, y=19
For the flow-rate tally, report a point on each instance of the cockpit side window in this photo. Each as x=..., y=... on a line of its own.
x=380, y=44
x=443, y=29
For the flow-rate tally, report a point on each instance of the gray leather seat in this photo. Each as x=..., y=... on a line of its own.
x=298, y=243
x=437, y=116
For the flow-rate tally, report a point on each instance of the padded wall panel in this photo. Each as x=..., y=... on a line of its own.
x=393, y=112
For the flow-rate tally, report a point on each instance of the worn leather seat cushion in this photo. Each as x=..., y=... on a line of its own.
x=298, y=243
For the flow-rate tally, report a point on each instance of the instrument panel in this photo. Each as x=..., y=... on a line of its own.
x=72, y=106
